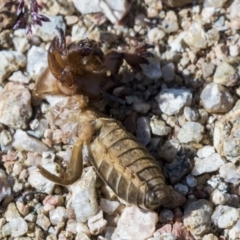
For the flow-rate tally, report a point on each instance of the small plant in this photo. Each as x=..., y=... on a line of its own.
x=28, y=16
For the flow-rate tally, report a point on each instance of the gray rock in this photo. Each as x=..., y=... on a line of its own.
x=10, y=61
x=207, y=69
x=197, y=218
x=168, y=72
x=190, y=114
x=58, y=215
x=213, y=3
x=206, y=151
x=15, y=106
x=172, y=100
x=168, y=151
x=159, y=127
x=176, y=4
x=210, y=237
x=217, y=183
x=190, y=132
x=209, y=164
x=230, y=173
x=5, y=189
x=225, y=216
x=191, y=181
x=166, y=215
x=152, y=69
x=36, y=61
x=97, y=223
x=143, y=130
x=216, y=98
x=183, y=189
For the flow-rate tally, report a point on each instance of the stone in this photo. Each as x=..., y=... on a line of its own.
x=97, y=223
x=155, y=34
x=152, y=69
x=230, y=173
x=206, y=151
x=20, y=44
x=58, y=215
x=171, y=101
x=176, y=170
x=11, y=212
x=143, y=132
x=210, y=236
x=18, y=227
x=43, y=221
x=5, y=188
x=216, y=98
x=168, y=72
x=84, y=194
x=166, y=215
x=217, y=183
x=208, y=69
x=191, y=114
x=140, y=106
x=5, y=137
x=168, y=151
x=197, y=217
x=170, y=22
x=208, y=164
x=36, y=61
x=183, y=189
x=191, y=181
x=219, y=198
x=190, y=132
x=226, y=74
x=45, y=32
x=5, y=39
x=131, y=223
x=176, y=4
x=20, y=77
x=225, y=216
x=22, y=141
x=214, y=3
x=15, y=106
x=159, y=127
x=108, y=206
x=10, y=61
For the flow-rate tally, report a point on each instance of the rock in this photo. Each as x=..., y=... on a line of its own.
x=168, y=72
x=155, y=34
x=226, y=74
x=58, y=215
x=165, y=216
x=114, y=11
x=152, y=69
x=234, y=232
x=172, y=100
x=43, y=221
x=15, y=106
x=36, y=61
x=213, y=3
x=159, y=127
x=143, y=132
x=219, y=198
x=234, y=50
x=209, y=164
x=216, y=98
x=210, y=237
x=20, y=44
x=197, y=217
x=183, y=189
x=170, y=22
x=191, y=181
x=207, y=69
x=18, y=227
x=8, y=15
x=176, y=170
x=20, y=77
x=39, y=182
x=140, y=106
x=97, y=223
x=225, y=216
x=84, y=194
x=176, y=4
x=230, y=173
x=108, y=206
x=206, y=151
x=190, y=132
x=10, y=61
x=131, y=223
x=22, y=141
x=11, y=212
x=168, y=151
x=217, y=183
x=173, y=198
x=45, y=32
x=5, y=137
x=190, y=114
x=5, y=188
x=5, y=39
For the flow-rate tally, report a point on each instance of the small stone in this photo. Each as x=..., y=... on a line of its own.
x=21, y=44
x=37, y=60
x=217, y=183
x=190, y=132
x=140, y=106
x=131, y=223
x=230, y=173
x=210, y=237
x=234, y=50
x=197, y=217
x=214, y=3
x=143, y=132
x=45, y=32
x=170, y=22
x=172, y=100
x=5, y=137
x=207, y=69
x=206, y=151
x=183, y=189
x=84, y=194
x=108, y=206
x=219, y=198
x=225, y=216
x=5, y=39
x=5, y=188
x=168, y=72
x=22, y=141
x=190, y=114
x=168, y=151
x=191, y=181
x=176, y=4
x=43, y=221
x=216, y=98
x=152, y=69
x=10, y=61
x=209, y=164
x=159, y=127
x=70, y=20
x=226, y=74
x=176, y=170
x=58, y=215
x=18, y=227
x=20, y=77
x=165, y=216
x=96, y=223
x=11, y=212
x=155, y=34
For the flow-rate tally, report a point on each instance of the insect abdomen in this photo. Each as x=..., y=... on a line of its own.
x=126, y=166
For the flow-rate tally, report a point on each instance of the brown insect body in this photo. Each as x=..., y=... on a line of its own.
x=122, y=162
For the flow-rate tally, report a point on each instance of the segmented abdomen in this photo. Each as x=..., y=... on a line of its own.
x=126, y=166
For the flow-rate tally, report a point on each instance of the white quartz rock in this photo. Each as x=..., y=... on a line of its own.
x=58, y=215
x=18, y=227
x=84, y=196
x=97, y=223
x=108, y=206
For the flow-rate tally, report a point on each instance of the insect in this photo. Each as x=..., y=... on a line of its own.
x=79, y=71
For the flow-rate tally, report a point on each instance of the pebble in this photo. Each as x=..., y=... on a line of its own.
x=176, y=4
x=11, y=212
x=84, y=194
x=155, y=34
x=170, y=22
x=5, y=39
x=197, y=217
x=219, y=198
x=168, y=72
x=166, y=215
x=172, y=100
x=208, y=69
x=140, y=106
x=20, y=77
x=22, y=141
x=176, y=170
x=10, y=61
x=43, y=221
x=183, y=189
x=210, y=237
x=190, y=132
x=5, y=188
x=143, y=131
x=20, y=44
x=208, y=164
x=36, y=61
x=226, y=74
x=58, y=215
x=131, y=223
x=230, y=173
x=45, y=32
x=191, y=114
x=213, y=3
x=217, y=183
x=153, y=69
x=225, y=216
x=168, y=151
x=234, y=232
x=97, y=223
x=108, y=206
x=18, y=227
x=216, y=98
x=191, y=181
x=159, y=127
x=5, y=137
